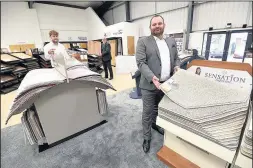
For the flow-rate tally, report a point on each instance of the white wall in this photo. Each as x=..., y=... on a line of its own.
x=96, y=26
x=143, y=25
x=129, y=29
x=69, y=22
x=19, y=24
x=218, y=14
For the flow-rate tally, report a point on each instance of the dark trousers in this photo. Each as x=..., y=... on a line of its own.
x=150, y=100
x=107, y=65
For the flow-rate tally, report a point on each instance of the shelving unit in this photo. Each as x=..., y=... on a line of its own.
x=95, y=63
x=73, y=44
x=9, y=79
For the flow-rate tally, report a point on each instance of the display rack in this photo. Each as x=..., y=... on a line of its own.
x=95, y=63
x=12, y=72
x=68, y=109
x=72, y=44
x=191, y=149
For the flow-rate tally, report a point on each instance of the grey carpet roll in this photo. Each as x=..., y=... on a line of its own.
x=207, y=108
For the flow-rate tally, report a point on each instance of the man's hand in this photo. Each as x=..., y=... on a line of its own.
x=51, y=51
x=156, y=82
x=176, y=68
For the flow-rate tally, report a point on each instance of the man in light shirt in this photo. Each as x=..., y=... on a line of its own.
x=54, y=47
x=157, y=60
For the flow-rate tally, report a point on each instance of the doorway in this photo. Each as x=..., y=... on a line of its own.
x=130, y=45
x=231, y=46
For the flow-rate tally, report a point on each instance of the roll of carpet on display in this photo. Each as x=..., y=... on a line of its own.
x=207, y=108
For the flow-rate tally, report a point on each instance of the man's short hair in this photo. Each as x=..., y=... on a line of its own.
x=154, y=17
x=53, y=32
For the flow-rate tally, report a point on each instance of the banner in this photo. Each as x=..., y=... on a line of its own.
x=238, y=78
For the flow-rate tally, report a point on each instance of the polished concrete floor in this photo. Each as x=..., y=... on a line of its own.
x=120, y=82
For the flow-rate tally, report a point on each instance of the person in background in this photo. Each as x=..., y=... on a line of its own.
x=157, y=59
x=106, y=58
x=54, y=46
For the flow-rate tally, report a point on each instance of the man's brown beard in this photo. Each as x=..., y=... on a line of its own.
x=157, y=34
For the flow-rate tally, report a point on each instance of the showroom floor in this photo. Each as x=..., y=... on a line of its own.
x=120, y=82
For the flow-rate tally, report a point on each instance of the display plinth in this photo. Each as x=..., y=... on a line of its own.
x=196, y=149
x=173, y=159
x=243, y=161
x=67, y=109
x=201, y=151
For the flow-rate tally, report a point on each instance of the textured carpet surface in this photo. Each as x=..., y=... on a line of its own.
x=116, y=144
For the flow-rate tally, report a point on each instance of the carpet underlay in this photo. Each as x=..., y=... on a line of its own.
x=116, y=144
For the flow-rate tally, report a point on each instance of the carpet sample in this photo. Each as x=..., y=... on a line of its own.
x=8, y=58
x=195, y=91
x=21, y=55
x=40, y=80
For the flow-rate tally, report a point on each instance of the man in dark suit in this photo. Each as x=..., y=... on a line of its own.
x=106, y=58
x=157, y=60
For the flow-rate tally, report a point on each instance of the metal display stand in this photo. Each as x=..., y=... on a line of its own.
x=136, y=93
x=192, y=150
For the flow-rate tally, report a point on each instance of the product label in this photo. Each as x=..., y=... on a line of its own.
x=228, y=76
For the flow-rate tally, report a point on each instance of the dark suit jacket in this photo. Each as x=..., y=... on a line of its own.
x=106, y=51
x=149, y=62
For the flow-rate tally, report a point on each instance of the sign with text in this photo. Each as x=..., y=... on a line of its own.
x=115, y=33
x=238, y=78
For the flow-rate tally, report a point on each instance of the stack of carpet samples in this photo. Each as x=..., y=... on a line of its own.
x=39, y=81
x=207, y=108
x=246, y=147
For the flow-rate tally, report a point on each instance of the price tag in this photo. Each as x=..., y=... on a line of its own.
x=165, y=87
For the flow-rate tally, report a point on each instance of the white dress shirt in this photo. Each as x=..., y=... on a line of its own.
x=165, y=58
x=59, y=48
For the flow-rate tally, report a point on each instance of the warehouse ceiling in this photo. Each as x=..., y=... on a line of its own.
x=85, y=4
x=100, y=7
